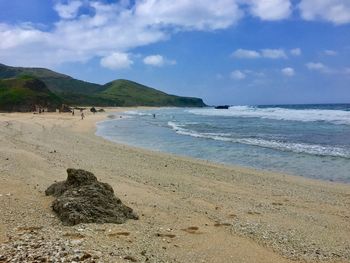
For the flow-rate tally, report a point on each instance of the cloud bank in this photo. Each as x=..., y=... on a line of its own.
x=334, y=11
x=88, y=29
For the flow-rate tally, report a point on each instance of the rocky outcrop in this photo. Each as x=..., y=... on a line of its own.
x=83, y=199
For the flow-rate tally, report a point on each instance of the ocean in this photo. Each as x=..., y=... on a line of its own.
x=306, y=140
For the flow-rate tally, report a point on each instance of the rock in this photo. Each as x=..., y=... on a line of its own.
x=83, y=199
x=65, y=108
x=76, y=178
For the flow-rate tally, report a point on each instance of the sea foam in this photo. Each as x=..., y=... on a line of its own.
x=275, y=113
x=313, y=149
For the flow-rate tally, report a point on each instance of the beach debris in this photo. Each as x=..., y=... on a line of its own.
x=83, y=199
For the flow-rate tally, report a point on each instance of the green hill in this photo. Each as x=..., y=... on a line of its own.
x=25, y=93
x=115, y=93
x=56, y=82
x=129, y=93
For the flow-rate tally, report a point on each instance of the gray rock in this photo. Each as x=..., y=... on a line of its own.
x=83, y=199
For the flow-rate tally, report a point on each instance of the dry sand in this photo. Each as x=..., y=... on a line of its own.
x=190, y=210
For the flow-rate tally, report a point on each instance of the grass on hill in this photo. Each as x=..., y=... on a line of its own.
x=23, y=93
x=115, y=93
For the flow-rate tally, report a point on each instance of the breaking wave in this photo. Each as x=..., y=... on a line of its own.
x=275, y=113
x=313, y=149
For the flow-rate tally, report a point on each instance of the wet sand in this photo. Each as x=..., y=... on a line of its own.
x=190, y=210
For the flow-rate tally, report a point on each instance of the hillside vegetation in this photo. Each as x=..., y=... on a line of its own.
x=116, y=93
x=25, y=93
x=129, y=93
x=56, y=82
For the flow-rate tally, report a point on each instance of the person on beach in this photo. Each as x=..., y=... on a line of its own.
x=82, y=115
x=73, y=113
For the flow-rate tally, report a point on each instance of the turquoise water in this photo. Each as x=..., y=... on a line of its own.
x=306, y=140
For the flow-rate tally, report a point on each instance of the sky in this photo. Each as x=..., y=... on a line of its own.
x=234, y=52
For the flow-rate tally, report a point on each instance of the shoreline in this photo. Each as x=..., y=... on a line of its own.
x=242, y=214
x=206, y=162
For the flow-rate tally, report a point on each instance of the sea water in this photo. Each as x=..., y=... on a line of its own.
x=306, y=140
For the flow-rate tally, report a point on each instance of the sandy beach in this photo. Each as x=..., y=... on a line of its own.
x=190, y=210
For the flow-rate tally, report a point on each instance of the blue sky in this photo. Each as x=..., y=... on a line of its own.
x=225, y=51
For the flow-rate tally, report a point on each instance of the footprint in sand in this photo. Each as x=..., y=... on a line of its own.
x=117, y=234
x=253, y=213
x=277, y=203
x=192, y=230
x=28, y=228
x=165, y=235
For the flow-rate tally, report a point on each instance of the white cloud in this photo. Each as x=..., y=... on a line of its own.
x=317, y=66
x=110, y=27
x=116, y=60
x=238, y=75
x=329, y=52
x=320, y=67
x=69, y=10
x=264, y=53
x=295, y=51
x=158, y=61
x=273, y=53
x=245, y=53
x=335, y=11
x=270, y=9
x=121, y=26
x=189, y=15
x=154, y=60
x=289, y=72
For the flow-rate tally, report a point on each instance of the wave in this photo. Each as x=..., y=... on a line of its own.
x=131, y=112
x=304, y=115
x=312, y=149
